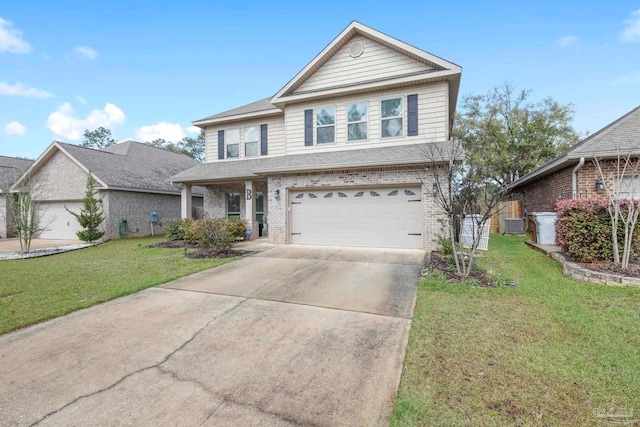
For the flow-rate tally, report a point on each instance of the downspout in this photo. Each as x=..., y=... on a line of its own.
x=574, y=179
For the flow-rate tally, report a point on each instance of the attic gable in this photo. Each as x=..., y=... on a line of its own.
x=360, y=59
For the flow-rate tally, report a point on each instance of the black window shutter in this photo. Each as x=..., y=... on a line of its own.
x=308, y=127
x=220, y=144
x=412, y=115
x=263, y=140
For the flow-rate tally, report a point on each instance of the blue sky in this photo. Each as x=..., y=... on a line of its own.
x=146, y=69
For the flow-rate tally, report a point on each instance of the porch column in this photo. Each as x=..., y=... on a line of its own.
x=185, y=201
x=250, y=208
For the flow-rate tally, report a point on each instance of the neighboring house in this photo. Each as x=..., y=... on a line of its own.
x=338, y=155
x=573, y=174
x=10, y=170
x=133, y=180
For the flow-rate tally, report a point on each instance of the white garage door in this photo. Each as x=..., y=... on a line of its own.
x=376, y=217
x=56, y=222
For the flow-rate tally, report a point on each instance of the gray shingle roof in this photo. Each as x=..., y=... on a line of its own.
x=622, y=135
x=133, y=165
x=10, y=170
x=261, y=105
x=345, y=159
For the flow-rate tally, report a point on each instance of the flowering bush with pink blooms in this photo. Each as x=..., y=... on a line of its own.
x=584, y=229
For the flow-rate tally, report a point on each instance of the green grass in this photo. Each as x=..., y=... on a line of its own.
x=550, y=351
x=37, y=289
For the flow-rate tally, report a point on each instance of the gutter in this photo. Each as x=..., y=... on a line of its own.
x=574, y=179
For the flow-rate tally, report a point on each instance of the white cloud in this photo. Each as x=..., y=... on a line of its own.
x=87, y=52
x=11, y=38
x=566, y=41
x=14, y=128
x=168, y=131
x=194, y=129
x=631, y=31
x=64, y=123
x=19, y=89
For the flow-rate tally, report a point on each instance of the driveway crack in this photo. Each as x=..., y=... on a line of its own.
x=154, y=366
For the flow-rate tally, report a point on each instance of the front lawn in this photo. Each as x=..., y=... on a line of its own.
x=37, y=289
x=549, y=351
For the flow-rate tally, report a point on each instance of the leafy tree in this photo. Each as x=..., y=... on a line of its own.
x=192, y=147
x=91, y=215
x=507, y=136
x=98, y=138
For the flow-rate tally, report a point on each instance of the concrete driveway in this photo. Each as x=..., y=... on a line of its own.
x=13, y=244
x=290, y=336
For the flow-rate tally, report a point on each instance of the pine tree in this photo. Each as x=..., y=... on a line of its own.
x=91, y=215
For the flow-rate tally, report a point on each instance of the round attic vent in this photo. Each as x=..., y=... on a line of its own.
x=356, y=49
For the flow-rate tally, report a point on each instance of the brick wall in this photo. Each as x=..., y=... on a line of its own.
x=4, y=218
x=541, y=195
x=215, y=197
x=278, y=212
x=135, y=208
x=59, y=179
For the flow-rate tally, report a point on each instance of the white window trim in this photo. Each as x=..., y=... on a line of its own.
x=244, y=141
x=361, y=121
x=226, y=143
x=402, y=97
x=335, y=124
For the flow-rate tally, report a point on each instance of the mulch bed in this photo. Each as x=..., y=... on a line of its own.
x=446, y=265
x=197, y=254
x=610, y=268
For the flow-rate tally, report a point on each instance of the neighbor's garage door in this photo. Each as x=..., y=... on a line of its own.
x=376, y=217
x=56, y=221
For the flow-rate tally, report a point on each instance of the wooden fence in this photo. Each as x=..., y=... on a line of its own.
x=510, y=209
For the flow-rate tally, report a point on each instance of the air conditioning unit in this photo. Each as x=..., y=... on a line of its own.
x=513, y=226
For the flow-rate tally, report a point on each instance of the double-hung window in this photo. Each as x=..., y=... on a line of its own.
x=391, y=111
x=326, y=125
x=251, y=141
x=232, y=142
x=233, y=205
x=357, y=121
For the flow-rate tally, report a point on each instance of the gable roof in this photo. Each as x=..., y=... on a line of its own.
x=10, y=170
x=436, y=69
x=415, y=154
x=129, y=165
x=621, y=136
x=439, y=69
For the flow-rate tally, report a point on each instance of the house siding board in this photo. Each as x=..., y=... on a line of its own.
x=432, y=119
x=376, y=61
x=275, y=136
x=371, y=177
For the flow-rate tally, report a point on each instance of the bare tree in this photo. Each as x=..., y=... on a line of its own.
x=459, y=185
x=622, y=205
x=24, y=213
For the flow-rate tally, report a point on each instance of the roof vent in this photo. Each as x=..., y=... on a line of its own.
x=356, y=49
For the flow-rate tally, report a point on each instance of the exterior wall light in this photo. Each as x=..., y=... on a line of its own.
x=435, y=189
x=599, y=185
x=276, y=194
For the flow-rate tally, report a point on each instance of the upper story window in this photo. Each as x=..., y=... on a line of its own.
x=326, y=125
x=232, y=141
x=391, y=117
x=251, y=141
x=357, y=121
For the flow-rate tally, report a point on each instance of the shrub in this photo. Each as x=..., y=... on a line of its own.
x=172, y=229
x=187, y=229
x=584, y=229
x=216, y=234
x=445, y=247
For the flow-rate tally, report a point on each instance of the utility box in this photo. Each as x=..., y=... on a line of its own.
x=153, y=217
x=545, y=227
x=513, y=226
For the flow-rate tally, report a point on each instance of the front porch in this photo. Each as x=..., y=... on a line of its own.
x=247, y=199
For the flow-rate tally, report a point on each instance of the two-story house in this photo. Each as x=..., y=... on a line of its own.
x=339, y=155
